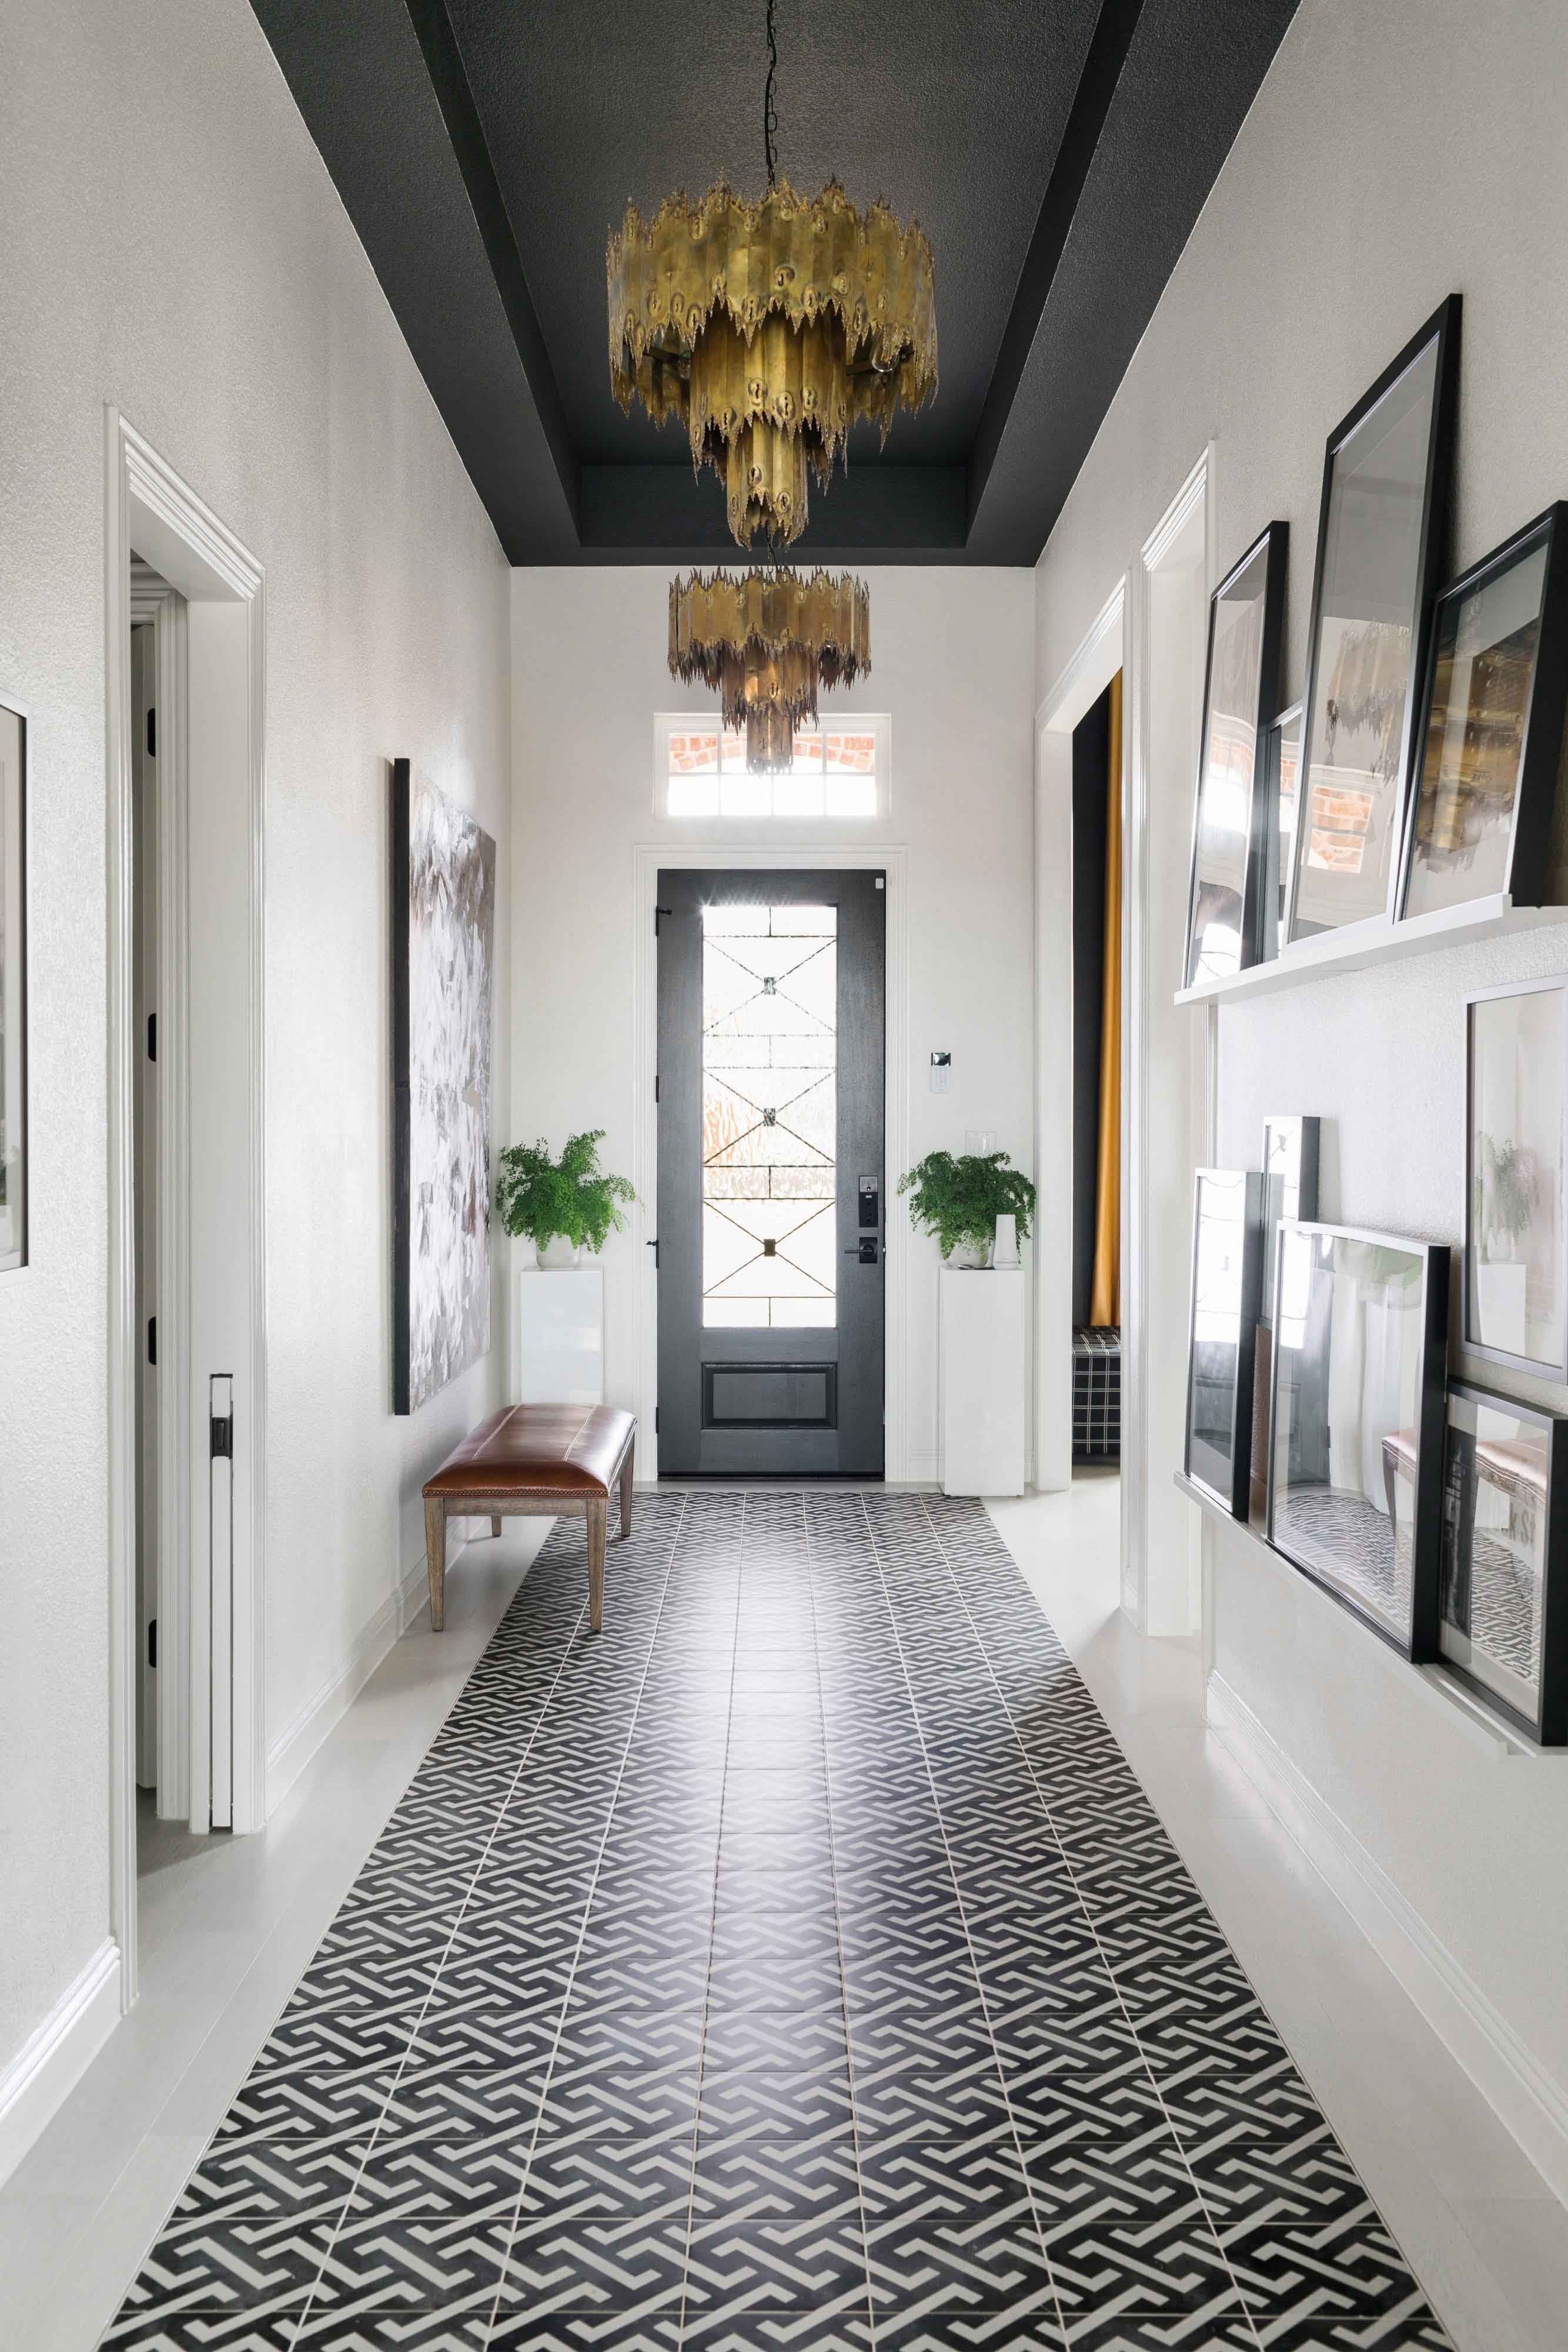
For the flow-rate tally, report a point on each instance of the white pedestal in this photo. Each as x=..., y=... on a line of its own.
x=979, y=1391
x=558, y=1355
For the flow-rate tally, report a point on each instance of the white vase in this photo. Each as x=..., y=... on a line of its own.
x=967, y=1257
x=557, y=1255
x=1005, y=1249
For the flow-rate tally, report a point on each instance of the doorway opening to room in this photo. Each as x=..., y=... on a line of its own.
x=770, y=1099
x=186, y=1269
x=1097, y=1108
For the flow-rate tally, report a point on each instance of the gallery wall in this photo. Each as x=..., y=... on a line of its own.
x=950, y=660
x=174, y=247
x=1393, y=154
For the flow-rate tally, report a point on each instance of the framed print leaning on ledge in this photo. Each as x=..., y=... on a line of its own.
x=1240, y=694
x=13, y=987
x=1516, y=1202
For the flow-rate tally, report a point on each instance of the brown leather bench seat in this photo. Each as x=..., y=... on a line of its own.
x=533, y=1461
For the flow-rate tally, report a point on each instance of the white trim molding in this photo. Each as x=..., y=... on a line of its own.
x=1527, y=2101
x=678, y=855
x=36, y=2083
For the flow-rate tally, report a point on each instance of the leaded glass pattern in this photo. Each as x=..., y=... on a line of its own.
x=769, y=1116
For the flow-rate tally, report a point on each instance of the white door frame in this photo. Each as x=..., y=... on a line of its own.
x=148, y=509
x=1085, y=678
x=679, y=855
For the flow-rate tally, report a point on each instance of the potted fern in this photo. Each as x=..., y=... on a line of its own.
x=960, y=1200
x=561, y=1205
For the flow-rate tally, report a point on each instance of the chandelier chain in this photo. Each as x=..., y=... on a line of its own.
x=770, y=117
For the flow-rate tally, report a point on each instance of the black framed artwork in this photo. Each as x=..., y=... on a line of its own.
x=1516, y=1211
x=1241, y=694
x=1281, y=774
x=13, y=987
x=443, y=943
x=1503, y=1623
x=1227, y=1274
x=1292, y=1149
x=1490, y=736
x=1360, y=1335
x=1383, y=529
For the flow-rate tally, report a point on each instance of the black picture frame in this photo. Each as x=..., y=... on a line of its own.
x=1543, y=716
x=1224, y=1199
x=1521, y=1489
x=402, y=1102
x=1341, y=1564
x=1552, y=1229
x=14, y=1015
x=1282, y=740
x=1258, y=577
x=1440, y=337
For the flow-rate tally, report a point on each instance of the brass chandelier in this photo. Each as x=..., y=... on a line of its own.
x=764, y=641
x=770, y=329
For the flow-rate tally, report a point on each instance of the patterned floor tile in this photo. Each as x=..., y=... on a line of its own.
x=799, y=1964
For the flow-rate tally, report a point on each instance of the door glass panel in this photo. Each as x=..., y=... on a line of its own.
x=770, y=1117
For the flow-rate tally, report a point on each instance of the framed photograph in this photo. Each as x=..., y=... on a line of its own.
x=442, y=935
x=1290, y=1145
x=13, y=987
x=1491, y=736
x=1360, y=1340
x=1516, y=1241
x=1503, y=1627
x=1227, y=1272
x=1383, y=529
x=1241, y=692
x=1281, y=774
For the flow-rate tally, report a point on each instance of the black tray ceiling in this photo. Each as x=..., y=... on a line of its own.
x=1056, y=151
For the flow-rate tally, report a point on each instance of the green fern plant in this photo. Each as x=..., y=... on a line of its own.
x=959, y=1200
x=571, y=1196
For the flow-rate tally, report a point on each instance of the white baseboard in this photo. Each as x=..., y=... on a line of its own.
x=292, y=1750
x=46, y=2069
x=1528, y=2102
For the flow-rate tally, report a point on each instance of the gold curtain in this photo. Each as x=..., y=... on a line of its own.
x=1105, y=1298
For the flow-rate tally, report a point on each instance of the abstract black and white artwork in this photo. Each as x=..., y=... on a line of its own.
x=443, y=927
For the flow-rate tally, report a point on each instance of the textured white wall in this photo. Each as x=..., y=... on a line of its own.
x=951, y=662
x=1393, y=153
x=172, y=245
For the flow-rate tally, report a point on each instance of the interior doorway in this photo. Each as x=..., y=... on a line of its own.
x=772, y=1177
x=187, y=1327
x=1097, y=1103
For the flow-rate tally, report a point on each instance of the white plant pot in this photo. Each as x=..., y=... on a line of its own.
x=1005, y=1249
x=967, y=1257
x=557, y=1255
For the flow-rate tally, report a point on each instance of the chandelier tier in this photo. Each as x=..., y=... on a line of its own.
x=769, y=328
x=764, y=641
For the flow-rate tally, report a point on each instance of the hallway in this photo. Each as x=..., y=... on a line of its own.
x=800, y=1964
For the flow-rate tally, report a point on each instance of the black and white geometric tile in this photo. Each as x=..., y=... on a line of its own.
x=797, y=1965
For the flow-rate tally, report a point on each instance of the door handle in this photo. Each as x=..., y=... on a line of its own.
x=868, y=1249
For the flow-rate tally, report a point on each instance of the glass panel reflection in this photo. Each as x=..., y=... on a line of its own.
x=769, y=1116
x=1348, y=1347
x=1226, y=778
x=1226, y=1243
x=1496, y=1481
x=1514, y=1271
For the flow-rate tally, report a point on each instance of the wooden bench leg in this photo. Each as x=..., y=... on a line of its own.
x=496, y=1524
x=597, y=1513
x=435, y=1554
x=626, y=1491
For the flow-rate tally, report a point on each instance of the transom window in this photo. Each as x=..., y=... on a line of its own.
x=839, y=769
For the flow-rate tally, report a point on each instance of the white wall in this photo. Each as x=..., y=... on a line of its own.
x=951, y=662
x=1393, y=153
x=174, y=246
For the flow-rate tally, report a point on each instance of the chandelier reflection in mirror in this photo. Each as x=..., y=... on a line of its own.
x=770, y=329
x=764, y=641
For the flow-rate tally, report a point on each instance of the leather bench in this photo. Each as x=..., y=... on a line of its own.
x=535, y=1461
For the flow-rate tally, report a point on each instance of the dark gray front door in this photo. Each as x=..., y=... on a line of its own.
x=772, y=1182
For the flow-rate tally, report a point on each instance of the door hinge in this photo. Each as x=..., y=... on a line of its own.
x=654, y=1247
x=151, y=733
x=222, y=1424
x=152, y=1339
x=152, y=1036
x=655, y=1421
x=657, y=912
x=656, y=1086
x=152, y=1641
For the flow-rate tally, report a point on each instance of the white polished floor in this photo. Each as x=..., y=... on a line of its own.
x=227, y=1927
